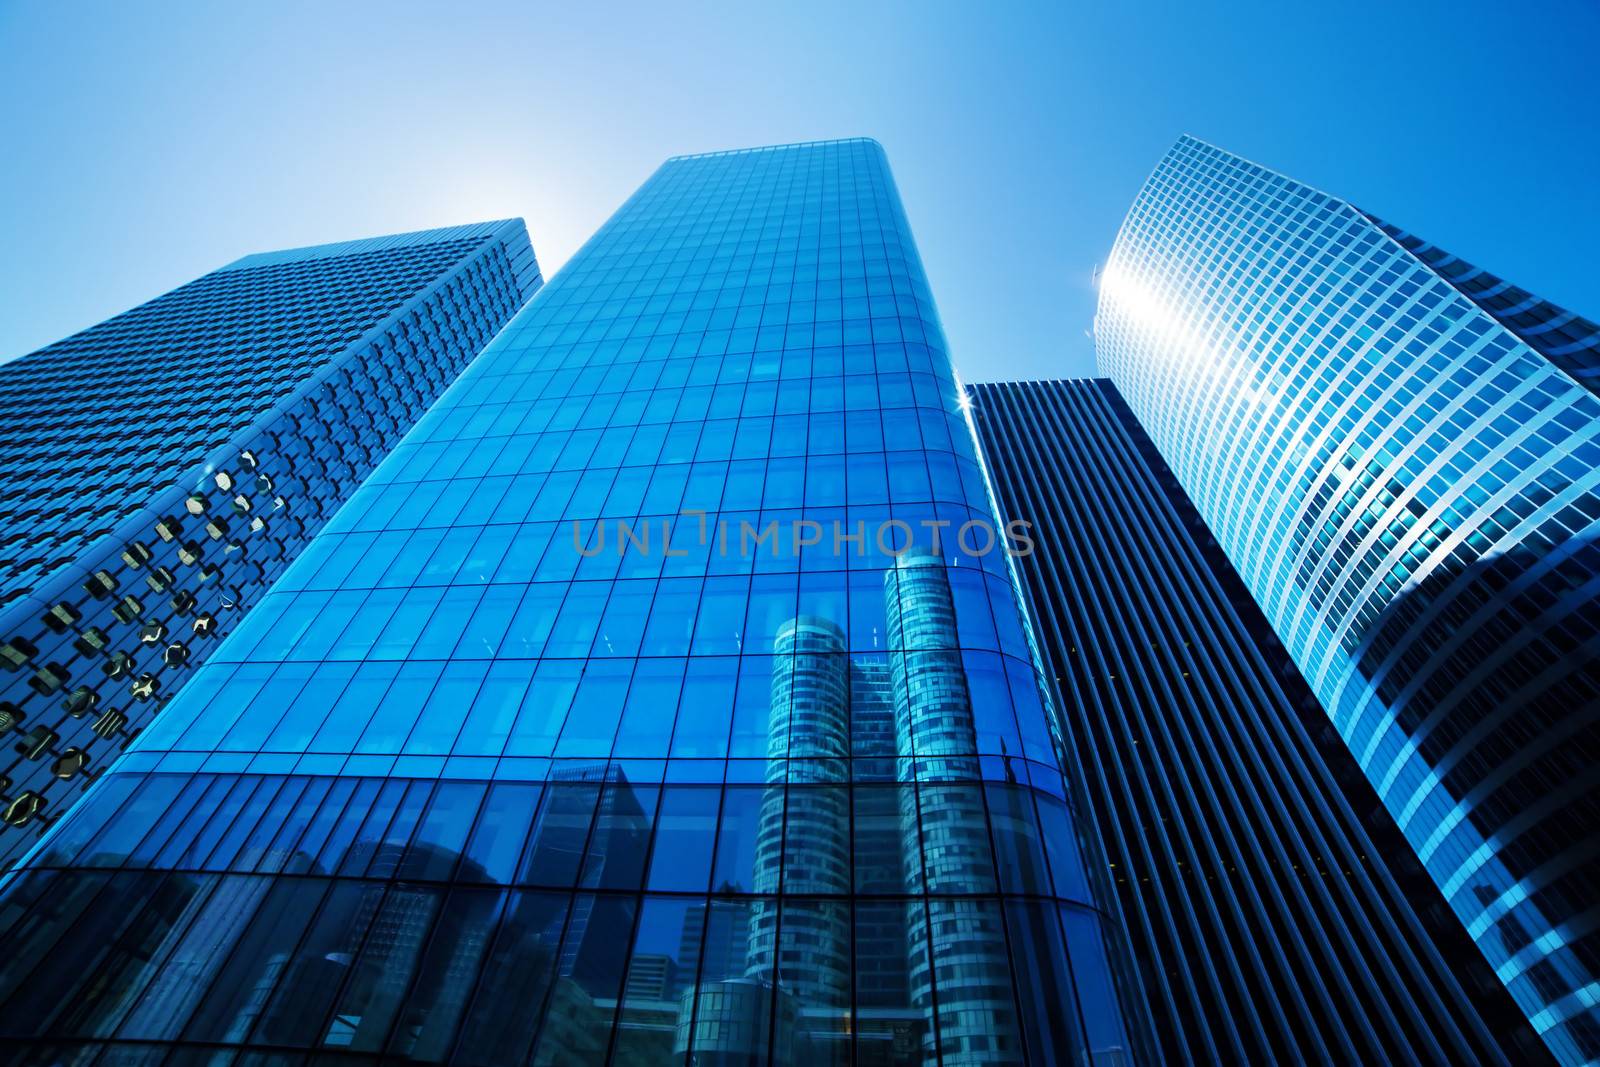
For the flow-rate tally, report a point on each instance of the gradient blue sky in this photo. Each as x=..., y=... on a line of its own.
x=148, y=144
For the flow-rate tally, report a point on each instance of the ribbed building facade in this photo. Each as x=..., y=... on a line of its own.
x=159, y=470
x=627, y=714
x=1406, y=474
x=1275, y=913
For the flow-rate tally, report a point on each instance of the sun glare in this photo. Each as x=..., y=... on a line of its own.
x=1154, y=317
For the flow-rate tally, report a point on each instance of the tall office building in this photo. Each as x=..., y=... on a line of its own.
x=617, y=667
x=1404, y=468
x=1568, y=339
x=1276, y=913
x=159, y=470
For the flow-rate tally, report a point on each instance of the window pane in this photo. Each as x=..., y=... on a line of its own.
x=252, y=967
x=978, y=1019
x=732, y=1018
x=516, y=984
x=297, y=1012
x=894, y=1005
x=382, y=973
x=661, y=974
x=1086, y=950
x=461, y=937
x=560, y=832
x=441, y=836
x=1051, y=1022
x=646, y=728
x=499, y=833
x=617, y=847
x=672, y=617
x=685, y=836
x=704, y=708
x=737, y=835
x=594, y=955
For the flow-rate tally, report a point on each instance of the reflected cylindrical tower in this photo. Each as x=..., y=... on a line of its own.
x=803, y=846
x=945, y=824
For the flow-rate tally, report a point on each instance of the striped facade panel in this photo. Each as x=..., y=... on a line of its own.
x=1275, y=912
x=1566, y=338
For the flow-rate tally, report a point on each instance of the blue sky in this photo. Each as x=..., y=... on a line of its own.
x=148, y=144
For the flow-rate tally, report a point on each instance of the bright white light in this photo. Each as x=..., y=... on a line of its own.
x=1154, y=318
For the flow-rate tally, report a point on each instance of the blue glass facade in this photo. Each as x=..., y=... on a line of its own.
x=1409, y=490
x=159, y=470
x=1566, y=338
x=1275, y=913
x=630, y=712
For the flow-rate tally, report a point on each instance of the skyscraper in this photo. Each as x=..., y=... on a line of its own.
x=1567, y=339
x=158, y=471
x=1404, y=469
x=1276, y=913
x=644, y=580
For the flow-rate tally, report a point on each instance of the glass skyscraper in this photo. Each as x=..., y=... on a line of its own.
x=158, y=471
x=1567, y=338
x=664, y=697
x=1401, y=458
x=1275, y=912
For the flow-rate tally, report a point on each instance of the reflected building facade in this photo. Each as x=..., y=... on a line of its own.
x=158, y=472
x=523, y=761
x=944, y=824
x=1400, y=455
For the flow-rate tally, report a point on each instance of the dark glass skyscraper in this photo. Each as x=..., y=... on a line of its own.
x=632, y=712
x=1276, y=913
x=1401, y=457
x=158, y=471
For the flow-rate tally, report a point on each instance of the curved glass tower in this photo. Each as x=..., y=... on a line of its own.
x=612, y=720
x=1412, y=494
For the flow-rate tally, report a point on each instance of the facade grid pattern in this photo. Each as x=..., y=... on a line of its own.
x=1566, y=338
x=1412, y=494
x=266, y=390
x=488, y=778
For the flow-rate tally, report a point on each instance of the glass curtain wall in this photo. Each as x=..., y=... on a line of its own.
x=664, y=698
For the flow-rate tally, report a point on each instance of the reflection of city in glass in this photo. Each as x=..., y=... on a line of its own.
x=1401, y=456
x=821, y=701
x=465, y=789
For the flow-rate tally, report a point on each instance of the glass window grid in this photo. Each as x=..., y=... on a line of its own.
x=1298, y=339
x=730, y=291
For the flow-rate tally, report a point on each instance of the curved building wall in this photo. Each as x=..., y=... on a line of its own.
x=1410, y=493
x=466, y=789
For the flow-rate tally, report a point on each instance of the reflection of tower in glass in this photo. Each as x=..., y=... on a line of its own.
x=808, y=744
x=802, y=847
x=872, y=739
x=807, y=840
x=620, y=828
x=888, y=1026
x=217, y=921
x=938, y=744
